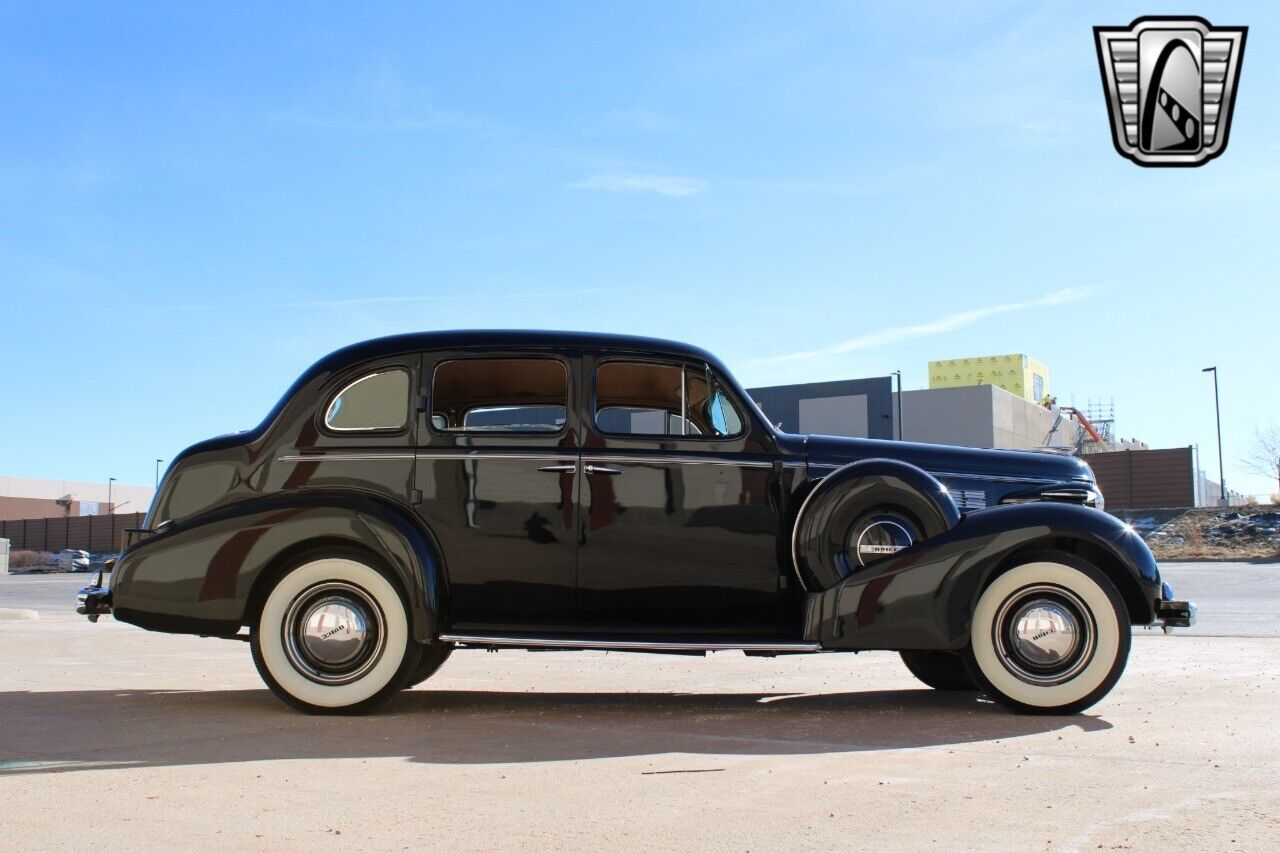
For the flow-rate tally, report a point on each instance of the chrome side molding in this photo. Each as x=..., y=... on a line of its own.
x=587, y=643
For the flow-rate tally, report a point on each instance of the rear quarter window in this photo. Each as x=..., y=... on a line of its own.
x=375, y=401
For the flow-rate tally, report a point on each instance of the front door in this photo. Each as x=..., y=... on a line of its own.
x=498, y=483
x=678, y=533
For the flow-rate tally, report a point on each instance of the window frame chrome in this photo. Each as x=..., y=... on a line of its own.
x=329, y=400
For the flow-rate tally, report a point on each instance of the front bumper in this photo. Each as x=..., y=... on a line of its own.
x=1171, y=613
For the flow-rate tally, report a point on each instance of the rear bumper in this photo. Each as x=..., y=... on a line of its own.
x=1172, y=613
x=93, y=601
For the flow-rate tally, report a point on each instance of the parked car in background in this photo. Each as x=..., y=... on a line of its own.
x=73, y=560
x=418, y=494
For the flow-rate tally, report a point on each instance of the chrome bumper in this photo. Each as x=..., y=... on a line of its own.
x=1171, y=613
x=93, y=601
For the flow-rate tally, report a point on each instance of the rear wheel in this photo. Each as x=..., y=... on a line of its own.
x=941, y=670
x=1049, y=636
x=433, y=657
x=333, y=636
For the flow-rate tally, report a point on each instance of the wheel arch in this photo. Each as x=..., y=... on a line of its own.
x=1135, y=601
x=210, y=574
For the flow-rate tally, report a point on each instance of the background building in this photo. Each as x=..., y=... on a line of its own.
x=22, y=497
x=1002, y=402
x=1016, y=373
x=862, y=408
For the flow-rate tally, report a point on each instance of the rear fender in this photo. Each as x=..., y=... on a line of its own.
x=201, y=575
x=923, y=598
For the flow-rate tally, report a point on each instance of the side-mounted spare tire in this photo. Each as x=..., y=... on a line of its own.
x=865, y=512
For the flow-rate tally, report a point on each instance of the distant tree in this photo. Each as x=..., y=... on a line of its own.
x=1264, y=454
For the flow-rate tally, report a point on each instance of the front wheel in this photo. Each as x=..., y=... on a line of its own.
x=333, y=636
x=1049, y=636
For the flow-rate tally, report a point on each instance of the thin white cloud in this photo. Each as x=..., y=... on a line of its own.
x=949, y=323
x=622, y=182
x=402, y=300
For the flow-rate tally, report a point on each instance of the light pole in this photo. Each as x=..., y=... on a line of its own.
x=898, y=374
x=111, y=511
x=158, y=461
x=1217, y=413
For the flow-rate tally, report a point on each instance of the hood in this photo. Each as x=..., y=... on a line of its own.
x=941, y=459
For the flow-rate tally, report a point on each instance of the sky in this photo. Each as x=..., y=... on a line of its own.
x=199, y=200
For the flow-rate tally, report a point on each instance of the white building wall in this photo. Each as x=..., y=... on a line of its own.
x=139, y=497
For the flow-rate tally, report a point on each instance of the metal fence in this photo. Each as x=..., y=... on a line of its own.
x=96, y=533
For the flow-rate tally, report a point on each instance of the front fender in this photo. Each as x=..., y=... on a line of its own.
x=923, y=598
x=199, y=575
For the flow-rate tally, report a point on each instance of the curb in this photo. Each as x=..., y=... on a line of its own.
x=9, y=614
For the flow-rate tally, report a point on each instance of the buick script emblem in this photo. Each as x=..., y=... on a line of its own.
x=1170, y=85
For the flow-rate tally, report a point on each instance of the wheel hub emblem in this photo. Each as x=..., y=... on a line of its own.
x=881, y=538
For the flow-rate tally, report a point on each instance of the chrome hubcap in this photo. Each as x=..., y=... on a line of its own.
x=333, y=633
x=883, y=537
x=1044, y=634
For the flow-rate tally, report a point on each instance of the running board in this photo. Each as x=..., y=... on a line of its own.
x=621, y=645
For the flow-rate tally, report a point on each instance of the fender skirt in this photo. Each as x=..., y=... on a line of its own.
x=923, y=597
x=199, y=576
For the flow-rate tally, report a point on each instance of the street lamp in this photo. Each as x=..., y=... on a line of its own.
x=898, y=374
x=1217, y=413
x=110, y=509
x=158, y=461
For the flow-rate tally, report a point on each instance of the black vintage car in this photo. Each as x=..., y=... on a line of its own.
x=539, y=490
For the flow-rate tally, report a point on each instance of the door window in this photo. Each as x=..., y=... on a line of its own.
x=519, y=395
x=641, y=399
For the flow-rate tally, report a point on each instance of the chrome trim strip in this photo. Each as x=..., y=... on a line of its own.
x=342, y=457
x=940, y=474
x=680, y=460
x=577, y=643
x=470, y=455
x=353, y=383
x=548, y=457
x=795, y=531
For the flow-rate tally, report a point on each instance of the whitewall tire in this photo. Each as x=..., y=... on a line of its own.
x=333, y=636
x=1049, y=636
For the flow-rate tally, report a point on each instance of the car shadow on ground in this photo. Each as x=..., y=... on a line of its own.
x=74, y=730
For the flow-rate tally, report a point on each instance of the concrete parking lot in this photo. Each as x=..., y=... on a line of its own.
x=116, y=737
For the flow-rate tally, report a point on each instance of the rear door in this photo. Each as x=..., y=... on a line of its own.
x=497, y=475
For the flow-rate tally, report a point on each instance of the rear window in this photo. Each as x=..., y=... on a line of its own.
x=500, y=395
x=377, y=401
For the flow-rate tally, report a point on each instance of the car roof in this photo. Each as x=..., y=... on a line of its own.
x=500, y=339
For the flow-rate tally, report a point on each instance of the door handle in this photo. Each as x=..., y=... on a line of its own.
x=601, y=469
x=567, y=468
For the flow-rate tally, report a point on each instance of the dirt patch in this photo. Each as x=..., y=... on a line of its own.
x=1236, y=534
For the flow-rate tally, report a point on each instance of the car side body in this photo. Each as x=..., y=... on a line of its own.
x=544, y=489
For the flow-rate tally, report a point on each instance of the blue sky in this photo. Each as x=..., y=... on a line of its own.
x=199, y=200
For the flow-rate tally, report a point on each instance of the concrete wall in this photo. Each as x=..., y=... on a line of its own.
x=855, y=407
x=981, y=416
